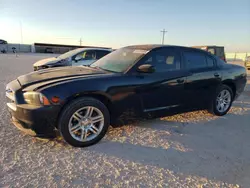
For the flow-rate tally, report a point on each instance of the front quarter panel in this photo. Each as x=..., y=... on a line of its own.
x=120, y=90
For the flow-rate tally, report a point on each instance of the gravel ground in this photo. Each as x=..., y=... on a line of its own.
x=187, y=150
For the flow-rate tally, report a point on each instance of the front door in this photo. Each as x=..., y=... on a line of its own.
x=163, y=88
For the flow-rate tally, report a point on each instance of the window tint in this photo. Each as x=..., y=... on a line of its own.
x=101, y=53
x=194, y=60
x=163, y=59
x=210, y=61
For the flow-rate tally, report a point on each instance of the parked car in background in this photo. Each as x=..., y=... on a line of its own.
x=3, y=41
x=215, y=50
x=247, y=62
x=81, y=102
x=3, y=46
x=77, y=57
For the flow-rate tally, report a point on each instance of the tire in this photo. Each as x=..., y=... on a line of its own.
x=79, y=108
x=214, y=108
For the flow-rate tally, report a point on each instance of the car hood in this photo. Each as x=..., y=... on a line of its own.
x=58, y=73
x=46, y=61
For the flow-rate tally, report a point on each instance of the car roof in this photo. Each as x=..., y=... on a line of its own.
x=150, y=47
x=83, y=49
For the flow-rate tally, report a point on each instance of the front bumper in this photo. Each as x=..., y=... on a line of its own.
x=34, y=120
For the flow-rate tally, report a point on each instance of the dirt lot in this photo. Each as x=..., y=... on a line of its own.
x=187, y=150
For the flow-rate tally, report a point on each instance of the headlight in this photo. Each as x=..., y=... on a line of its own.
x=35, y=98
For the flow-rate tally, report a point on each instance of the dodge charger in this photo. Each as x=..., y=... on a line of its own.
x=80, y=103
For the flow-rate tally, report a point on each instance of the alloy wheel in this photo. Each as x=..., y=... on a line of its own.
x=223, y=101
x=86, y=123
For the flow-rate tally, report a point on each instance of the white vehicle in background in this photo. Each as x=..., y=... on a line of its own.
x=77, y=57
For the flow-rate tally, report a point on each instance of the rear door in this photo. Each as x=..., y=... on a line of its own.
x=203, y=79
x=162, y=89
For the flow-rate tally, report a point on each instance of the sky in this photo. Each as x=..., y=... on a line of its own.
x=118, y=23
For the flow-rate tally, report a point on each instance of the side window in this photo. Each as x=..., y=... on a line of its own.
x=210, y=61
x=194, y=60
x=86, y=55
x=101, y=53
x=163, y=59
x=89, y=55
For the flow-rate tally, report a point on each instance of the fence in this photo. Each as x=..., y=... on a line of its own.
x=237, y=56
x=19, y=47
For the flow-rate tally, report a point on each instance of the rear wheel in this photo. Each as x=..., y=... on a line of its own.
x=84, y=122
x=222, y=101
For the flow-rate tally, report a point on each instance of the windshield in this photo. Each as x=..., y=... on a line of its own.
x=119, y=60
x=69, y=53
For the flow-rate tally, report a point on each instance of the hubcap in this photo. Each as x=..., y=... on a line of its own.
x=86, y=123
x=223, y=101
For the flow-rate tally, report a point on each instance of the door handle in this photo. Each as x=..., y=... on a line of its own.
x=216, y=75
x=180, y=81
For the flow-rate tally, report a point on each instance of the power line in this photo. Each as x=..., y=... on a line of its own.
x=163, y=35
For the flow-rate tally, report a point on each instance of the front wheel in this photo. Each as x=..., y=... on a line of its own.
x=84, y=122
x=222, y=101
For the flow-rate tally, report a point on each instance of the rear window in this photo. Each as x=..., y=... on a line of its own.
x=194, y=60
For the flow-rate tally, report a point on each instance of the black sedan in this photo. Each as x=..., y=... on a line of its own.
x=81, y=102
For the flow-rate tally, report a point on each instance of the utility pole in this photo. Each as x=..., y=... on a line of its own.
x=80, y=41
x=21, y=32
x=163, y=35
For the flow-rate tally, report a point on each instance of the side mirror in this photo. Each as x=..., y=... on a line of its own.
x=146, y=68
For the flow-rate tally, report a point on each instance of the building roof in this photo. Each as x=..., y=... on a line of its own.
x=69, y=46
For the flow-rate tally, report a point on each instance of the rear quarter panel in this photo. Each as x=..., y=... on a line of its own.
x=235, y=74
